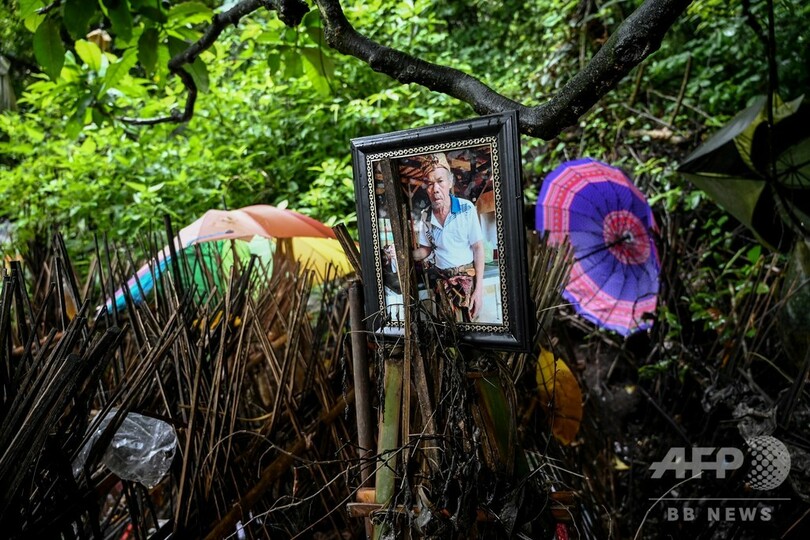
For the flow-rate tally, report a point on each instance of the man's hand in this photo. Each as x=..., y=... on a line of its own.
x=420, y=253
x=476, y=302
x=389, y=253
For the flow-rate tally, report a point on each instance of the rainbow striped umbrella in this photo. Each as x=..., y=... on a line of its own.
x=311, y=242
x=614, y=279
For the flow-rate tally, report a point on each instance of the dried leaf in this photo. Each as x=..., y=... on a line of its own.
x=619, y=465
x=560, y=396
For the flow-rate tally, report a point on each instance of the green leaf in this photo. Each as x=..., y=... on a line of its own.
x=313, y=27
x=33, y=20
x=29, y=7
x=77, y=121
x=89, y=53
x=290, y=35
x=314, y=67
x=176, y=46
x=48, y=48
x=183, y=33
x=147, y=49
x=197, y=70
x=753, y=254
x=162, y=67
x=151, y=9
x=119, y=69
x=189, y=13
x=312, y=19
x=88, y=147
x=136, y=186
x=36, y=135
x=315, y=35
x=121, y=19
x=76, y=15
x=130, y=87
x=292, y=64
x=274, y=62
x=24, y=148
x=269, y=38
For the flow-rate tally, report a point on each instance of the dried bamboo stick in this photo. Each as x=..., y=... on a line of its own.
x=272, y=472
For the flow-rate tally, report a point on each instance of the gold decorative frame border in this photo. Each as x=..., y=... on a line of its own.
x=504, y=327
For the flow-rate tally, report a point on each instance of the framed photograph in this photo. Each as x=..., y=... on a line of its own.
x=461, y=185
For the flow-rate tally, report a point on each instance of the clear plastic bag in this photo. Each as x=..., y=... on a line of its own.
x=141, y=450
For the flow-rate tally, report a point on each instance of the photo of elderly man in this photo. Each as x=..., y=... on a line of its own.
x=450, y=239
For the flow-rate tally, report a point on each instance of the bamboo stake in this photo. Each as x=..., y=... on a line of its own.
x=403, y=238
x=361, y=380
x=402, y=249
x=389, y=436
x=349, y=248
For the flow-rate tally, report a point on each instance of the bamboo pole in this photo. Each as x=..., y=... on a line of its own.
x=403, y=239
x=402, y=248
x=389, y=437
x=361, y=380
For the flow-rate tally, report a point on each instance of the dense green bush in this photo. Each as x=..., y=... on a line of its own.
x=280, y=108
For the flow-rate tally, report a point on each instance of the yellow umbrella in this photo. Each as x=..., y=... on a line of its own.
x=317, y=254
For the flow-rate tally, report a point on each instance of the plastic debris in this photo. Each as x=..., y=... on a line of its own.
x=141, y=450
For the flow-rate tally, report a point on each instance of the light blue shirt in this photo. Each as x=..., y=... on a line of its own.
x=451, y=242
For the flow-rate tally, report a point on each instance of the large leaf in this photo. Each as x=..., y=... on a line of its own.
x=313, y=27
x=121, y=19
x=76, y=15
x=150, y=9
x=33, y=20
x=29, y=7
x=318, y=68
x=48, y=48
x=189, y=13
x=197, y=70
x=89, y=53
x=119, y=69
x=494, y=414
x=560, y=396
x=148, y=49
x=293, y=66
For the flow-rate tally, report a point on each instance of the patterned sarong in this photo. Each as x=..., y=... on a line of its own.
x=458, y=289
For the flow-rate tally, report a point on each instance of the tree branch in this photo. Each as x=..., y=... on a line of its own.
x=50, y=7
x=21, y=63
x=638, y=36
x=751, y=20
x=290, y=12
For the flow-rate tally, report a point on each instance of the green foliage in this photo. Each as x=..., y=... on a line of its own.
x=278, y=108
x=728, y=60
x=48, y=49
x=273, y=128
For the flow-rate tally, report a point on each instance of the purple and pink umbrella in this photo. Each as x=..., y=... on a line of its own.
x=614, y=278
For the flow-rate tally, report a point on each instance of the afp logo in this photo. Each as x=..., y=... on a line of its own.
x=769, y=462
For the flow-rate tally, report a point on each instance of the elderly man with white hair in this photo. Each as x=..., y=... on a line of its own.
x=450, y=238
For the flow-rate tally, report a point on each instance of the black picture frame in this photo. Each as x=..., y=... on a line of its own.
x=484, y=157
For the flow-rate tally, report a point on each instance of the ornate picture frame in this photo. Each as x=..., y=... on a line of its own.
x=482, y=157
